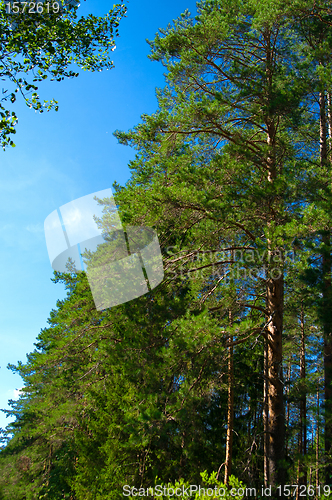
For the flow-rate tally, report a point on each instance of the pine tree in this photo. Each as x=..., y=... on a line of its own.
x=219, y=140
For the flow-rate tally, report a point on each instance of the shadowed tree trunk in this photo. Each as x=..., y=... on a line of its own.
x=289, y=372
x=274, y=306
x=326, y=309
x=302, y=472
x=230, y=407
x=317, y=441
x=276, y=418
x=265, y=418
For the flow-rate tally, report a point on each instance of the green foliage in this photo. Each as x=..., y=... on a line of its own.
x=208, y=483
x=44, y=45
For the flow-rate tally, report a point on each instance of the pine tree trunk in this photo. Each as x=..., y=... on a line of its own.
x=317, y=441
x=326, y=269
x=303, y=408
x=274, y=306
x=276, y=417
x=274, y=303
x=230, y=408
x=298, y=464
x=265, y=418
x=289, y=372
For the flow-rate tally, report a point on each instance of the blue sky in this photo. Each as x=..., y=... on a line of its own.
x=62, y=156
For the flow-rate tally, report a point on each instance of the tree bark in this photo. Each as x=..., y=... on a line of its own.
x=274, y=306
x=230, y=408
x=265, y=418
x=326, y=310
x=289, y=372
x=317, y=441
x=276, y=417
x=302, y=472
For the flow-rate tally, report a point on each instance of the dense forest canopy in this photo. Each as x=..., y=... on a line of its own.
x=226, y=366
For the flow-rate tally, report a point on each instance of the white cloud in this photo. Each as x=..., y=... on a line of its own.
x=17, y=393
